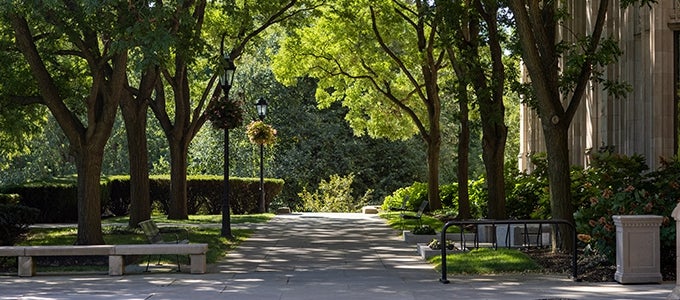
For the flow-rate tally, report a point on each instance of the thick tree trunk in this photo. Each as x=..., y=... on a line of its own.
x=178, y=181
x=493, y=144
x=464, y=208
x=89, y=166
x=561, y=207
x=134, y=115
x=433, y=147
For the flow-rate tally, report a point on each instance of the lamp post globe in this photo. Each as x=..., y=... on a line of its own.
x=261, y=106
x=227, y=74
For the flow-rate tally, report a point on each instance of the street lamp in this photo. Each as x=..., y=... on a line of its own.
x=261, y=106
x=226, y=81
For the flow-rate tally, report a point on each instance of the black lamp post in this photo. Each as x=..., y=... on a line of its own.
x=261, y=106
x=226, y=80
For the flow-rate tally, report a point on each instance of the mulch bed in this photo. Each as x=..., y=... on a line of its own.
x=591, y=268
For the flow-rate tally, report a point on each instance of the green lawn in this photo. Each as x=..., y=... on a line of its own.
x=487, y=261
x=479, y=261
x=218, y=246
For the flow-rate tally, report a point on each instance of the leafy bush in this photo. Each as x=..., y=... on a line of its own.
x=624, y=189
x=448, y=193
x=414, y=195
x=334, y=195
x=10, y=199
x=204, y=193
x=14, y=221
x=527, y=194
x=479, y=195
x=57, y=201
x=423, y=230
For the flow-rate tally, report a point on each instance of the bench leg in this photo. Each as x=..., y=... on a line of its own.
x=198, y=265
x=116, y=265
x=26, y=266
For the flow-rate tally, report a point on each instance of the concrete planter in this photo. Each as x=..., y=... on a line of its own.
x=411, y=238
x=426, y=252
x=638, y=249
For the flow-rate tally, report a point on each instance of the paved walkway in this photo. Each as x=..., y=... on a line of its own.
x=319, y=256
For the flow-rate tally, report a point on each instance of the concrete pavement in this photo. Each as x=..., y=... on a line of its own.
x=319, y=256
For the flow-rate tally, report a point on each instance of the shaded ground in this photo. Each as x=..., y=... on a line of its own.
x=591, y=268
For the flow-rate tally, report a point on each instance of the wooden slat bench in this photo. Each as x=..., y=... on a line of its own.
x=116, y=253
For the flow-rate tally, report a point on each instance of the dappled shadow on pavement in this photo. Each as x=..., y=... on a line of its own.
x=319, y=256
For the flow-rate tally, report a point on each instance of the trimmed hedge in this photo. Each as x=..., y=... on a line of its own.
x=14, y=219
x=57, y=201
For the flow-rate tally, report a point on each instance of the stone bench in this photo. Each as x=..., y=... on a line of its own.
x=116, y=254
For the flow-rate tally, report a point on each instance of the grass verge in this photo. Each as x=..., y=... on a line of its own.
x=487, y=261
x=114, y=233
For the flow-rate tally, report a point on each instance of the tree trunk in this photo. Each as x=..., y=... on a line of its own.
x=433, y=147
x=178, y=181
x=89, y=166
x=134, y=115
x=493, y=145
x=464, y=209
x=561, y=207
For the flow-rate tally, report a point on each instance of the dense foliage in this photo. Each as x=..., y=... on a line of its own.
x=614, y=184
x=14, y=219
x=619, y=185
x=334, y=195
x=55, y=201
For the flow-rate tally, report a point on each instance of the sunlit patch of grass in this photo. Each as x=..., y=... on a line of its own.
x=487, y=261
x=218, y=246
x=198, y=219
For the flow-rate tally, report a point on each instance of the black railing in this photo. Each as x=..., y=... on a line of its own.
x=494, y=224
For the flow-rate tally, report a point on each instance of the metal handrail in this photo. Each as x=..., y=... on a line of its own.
x=462, y=223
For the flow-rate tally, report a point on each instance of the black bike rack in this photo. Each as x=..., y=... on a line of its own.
x=494, y=224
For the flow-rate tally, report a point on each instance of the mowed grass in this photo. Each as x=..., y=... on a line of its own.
x=487, y=261
x=478, y=261
x=114, y=233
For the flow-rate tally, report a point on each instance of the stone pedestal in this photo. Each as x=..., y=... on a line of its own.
x=283, y=211
x=675, y=295
x=369, y=210
x=637, y=249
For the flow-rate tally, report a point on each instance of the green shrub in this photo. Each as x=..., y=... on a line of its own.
x=448, y=193
x=56, y=200
x=10, y=199
x=14, y=222
x=334, y=195
x=204, y=193
x=423, y=230
x=479, y=195
x=527, y=194
x=414, y=194
x=619, y=186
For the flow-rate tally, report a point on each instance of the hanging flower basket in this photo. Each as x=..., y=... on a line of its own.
x=260, y=133
x=225, y=113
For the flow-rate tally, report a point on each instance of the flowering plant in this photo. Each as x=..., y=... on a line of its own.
x=225, y=113
x=260, y=133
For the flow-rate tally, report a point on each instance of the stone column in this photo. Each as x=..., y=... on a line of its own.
x=638, y=249
x=675, y=295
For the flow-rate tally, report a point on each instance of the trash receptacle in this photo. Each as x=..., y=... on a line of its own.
x=638, y=249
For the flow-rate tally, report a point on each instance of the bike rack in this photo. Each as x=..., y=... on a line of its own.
x=494, y=223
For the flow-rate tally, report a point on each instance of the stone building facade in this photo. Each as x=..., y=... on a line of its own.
x=646, y=121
